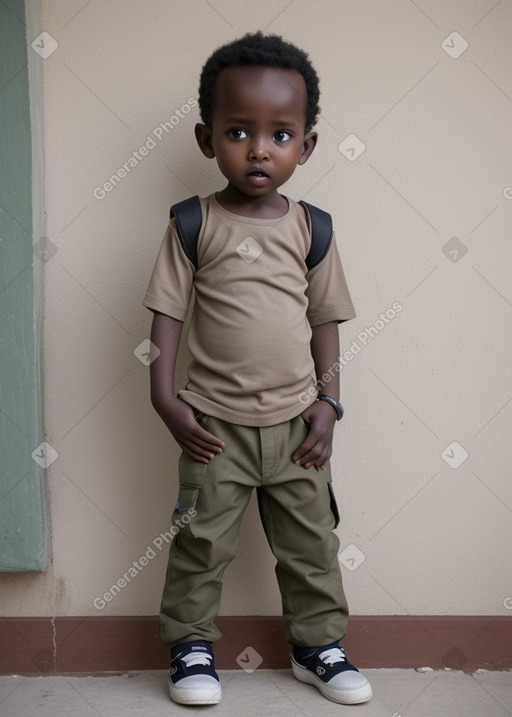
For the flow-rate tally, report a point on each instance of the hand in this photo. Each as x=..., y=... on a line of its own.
x=192, y=438
x=316, y=449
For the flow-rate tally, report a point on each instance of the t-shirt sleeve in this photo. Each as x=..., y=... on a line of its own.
x=327, y=292
x=170, y=286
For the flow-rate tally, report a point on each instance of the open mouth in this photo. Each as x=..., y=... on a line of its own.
x=258, y=173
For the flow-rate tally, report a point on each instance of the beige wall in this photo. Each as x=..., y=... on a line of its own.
x=435, y=538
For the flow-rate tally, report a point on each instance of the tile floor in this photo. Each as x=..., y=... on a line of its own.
x=397, y=693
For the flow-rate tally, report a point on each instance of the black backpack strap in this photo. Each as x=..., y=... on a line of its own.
x=321, y=234
x=188, y=223
x=189, y=218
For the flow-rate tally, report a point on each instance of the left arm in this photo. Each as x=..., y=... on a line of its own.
x=317, y=447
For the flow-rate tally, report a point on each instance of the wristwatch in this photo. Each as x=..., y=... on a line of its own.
x=334, y=403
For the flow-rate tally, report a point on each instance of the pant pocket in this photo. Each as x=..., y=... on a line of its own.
x=333, y=505
x=187, y=499
x=305, y=425
x=199, y=415
x=191, y=479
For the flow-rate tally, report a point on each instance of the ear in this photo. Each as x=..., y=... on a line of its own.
x=204, y=140
x=308, y=146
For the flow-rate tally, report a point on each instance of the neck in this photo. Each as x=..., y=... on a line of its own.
x=267, y=206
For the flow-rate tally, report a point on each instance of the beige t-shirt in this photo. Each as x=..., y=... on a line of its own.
x=255, y=304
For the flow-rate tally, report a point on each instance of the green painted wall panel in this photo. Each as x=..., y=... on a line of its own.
x=22, y=508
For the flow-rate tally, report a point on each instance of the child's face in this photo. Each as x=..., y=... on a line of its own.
x=258, y=128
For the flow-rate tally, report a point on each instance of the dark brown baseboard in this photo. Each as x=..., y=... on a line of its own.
x=92, y=645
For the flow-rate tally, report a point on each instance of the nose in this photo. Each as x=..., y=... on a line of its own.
x=259, y=149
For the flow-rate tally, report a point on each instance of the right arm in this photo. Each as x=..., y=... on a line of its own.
x=177, y=415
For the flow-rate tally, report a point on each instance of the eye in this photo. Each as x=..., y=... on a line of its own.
x=281, y=135
x=237, y=133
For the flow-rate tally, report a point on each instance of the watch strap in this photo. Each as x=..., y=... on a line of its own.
x=334, y=403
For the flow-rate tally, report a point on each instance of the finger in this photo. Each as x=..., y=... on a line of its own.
x=194, y=455
x=197, y=452
x=202, y=447
x=194, y=444
x=318, y=454
x=199, y=443
x=308, y=459
x=208, y=439
x=304, y=447
x=322, y=460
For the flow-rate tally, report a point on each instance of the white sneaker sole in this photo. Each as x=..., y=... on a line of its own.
x=343, y=697
x=196, y=696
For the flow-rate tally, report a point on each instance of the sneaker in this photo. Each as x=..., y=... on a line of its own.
x=328, y=669
x=192, y=676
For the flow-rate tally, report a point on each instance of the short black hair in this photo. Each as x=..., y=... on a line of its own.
x=266, y=51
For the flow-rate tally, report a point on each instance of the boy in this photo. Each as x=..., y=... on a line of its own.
x=263, y=330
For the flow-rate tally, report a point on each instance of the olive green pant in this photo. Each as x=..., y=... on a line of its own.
x=298, y=513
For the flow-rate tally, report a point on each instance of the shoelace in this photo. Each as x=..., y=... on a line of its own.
x=330, y=657
x=196, y=658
